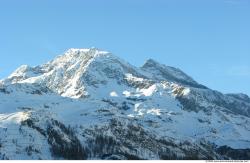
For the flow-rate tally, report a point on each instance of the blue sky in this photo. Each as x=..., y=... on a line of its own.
x=207, y=39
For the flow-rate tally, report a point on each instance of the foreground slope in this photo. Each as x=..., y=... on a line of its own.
x=90, y=104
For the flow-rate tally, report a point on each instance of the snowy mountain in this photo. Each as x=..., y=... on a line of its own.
x=90, y=104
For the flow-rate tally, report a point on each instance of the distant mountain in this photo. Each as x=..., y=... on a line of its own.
x=90, y=104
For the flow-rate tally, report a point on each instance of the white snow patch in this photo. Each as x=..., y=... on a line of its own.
x=137, y=106
x=113, y=94
x=133, y=78
x=126, y=93
x=154, y=111
x=186, y=91
x=131, y=115
x=17, y=117
x=149, y=91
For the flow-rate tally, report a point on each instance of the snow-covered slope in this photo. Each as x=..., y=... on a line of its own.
x=90, y=104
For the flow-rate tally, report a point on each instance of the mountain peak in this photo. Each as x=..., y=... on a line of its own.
x=76, y=72
x=67, y=102
x=74, y=53
x=150, y=62
x=163, y=72
x=92, y=50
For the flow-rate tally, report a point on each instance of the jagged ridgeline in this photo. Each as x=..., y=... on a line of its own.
x=90, y=104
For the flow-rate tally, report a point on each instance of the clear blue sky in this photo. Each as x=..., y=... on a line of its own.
x=207, y=39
